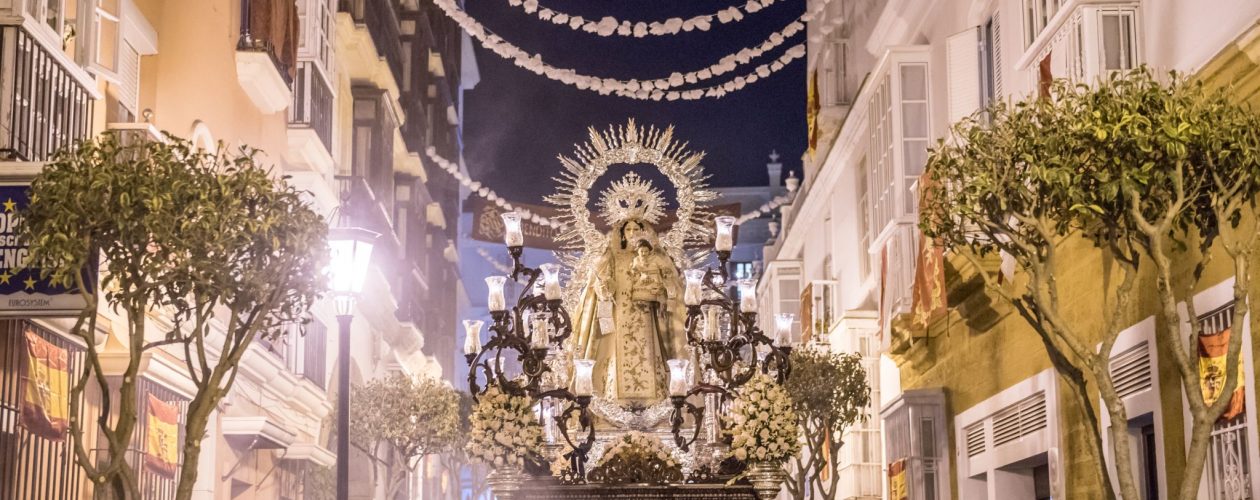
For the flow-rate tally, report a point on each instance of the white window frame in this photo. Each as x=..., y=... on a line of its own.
x=1074, y=37
x=1047, y=440
x=888, y=170
x=1214, y=297
x=315, y=42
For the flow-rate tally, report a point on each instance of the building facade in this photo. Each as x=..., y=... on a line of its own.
x=342, y=97
x=971, y=407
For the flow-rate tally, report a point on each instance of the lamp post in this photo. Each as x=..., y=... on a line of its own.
x=351, y=252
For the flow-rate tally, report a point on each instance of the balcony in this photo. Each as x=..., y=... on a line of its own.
x=1088, y=39
x=43, y=106
x=381, y=20
x=310, y=121
x=266, y=53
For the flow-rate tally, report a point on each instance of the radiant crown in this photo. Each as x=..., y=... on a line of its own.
x=632, y=197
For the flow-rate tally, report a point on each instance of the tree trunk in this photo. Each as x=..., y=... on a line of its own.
x=196, y=421
x=1119, y=430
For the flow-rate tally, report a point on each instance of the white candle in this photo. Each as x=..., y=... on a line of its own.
x=494, y=300
x=512, y=235
x=472, y=337
x=783, y=328
x=678, y=369
x=724, y=241
x=747, y=295
x=692, y=293
x=711, y=323
x=582, y=385
x=551, y=281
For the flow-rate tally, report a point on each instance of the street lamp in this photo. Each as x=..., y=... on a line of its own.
x=351, y=252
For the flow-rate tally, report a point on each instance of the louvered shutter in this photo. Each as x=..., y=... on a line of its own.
x=997, y=57
x=1131, y=371
x=128, y=87
x=962, y=58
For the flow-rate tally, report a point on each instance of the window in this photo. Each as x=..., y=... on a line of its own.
x=743, y=270
x=834, y=65
x=864, y=219
x=373, y=152
x=1117, y=39
x=990, y=61
x=1037, y=14
x=108, y=36
x=315, y=42
x=914, y=128
x=899, y=133
x=881, y=180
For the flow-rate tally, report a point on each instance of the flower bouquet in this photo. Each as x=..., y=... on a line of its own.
x=504, y=431
x=764, y=432
x=636, y=457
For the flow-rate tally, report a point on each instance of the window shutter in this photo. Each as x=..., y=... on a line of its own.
x=1131, y=370
x=128, y=87
x=997, y=57
x=963, y=60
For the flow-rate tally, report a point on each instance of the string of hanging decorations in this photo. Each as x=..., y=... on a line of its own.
x=653, y=89
x=609, y=25
x=489, y=195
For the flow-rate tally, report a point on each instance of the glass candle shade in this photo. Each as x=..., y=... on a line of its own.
x=551, y=281
x=747, y=295
x=512, y=235
x=678, y=379
x=582, y=370
x=710, y=323
x=495, y=300
x=724, y=240
x=693, y=293
x=472, y=338
x=783, y=328
x=538, y=331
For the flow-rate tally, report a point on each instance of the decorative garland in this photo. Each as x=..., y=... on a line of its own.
x=636, y=457
x=769, y=206
x=608, y=25
x=657, y=89
x=501, y=267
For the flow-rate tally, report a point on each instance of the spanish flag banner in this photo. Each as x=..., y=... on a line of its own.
x=45, y=389
x=897, y=481
x=1212, y=354
x=161, y=445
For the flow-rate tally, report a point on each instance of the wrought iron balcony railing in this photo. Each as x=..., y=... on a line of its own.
x=43, y=108
x=312, y=102
x=271, y=26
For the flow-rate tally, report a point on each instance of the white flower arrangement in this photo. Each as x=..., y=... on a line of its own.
x=764, y=426
x=638, y=443
x=503, y=429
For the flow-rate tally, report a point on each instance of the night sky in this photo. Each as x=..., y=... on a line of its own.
x=516, y=122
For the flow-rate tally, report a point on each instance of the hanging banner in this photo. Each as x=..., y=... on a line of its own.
x=487, y=225
x=22, y=291
x=1212, y=362
x=928, y=292
x=897, y=481
x=45, y=388
x=161, y=447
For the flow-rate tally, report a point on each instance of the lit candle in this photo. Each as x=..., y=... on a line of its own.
x=551, y=281
x=711, y=323
x=495, y=301
x=512, y=235
x=692, y=293
x=472, y=338
x=783, y=328
x=725, y=227
x=582, y=385
x=678, y=369
x=747, y=295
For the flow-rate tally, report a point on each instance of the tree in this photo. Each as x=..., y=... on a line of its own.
x=830, y=393
x=397, y=420
x=208, y=238
x=1131, y=169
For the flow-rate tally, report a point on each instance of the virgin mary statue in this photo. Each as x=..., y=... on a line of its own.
x=630, y=313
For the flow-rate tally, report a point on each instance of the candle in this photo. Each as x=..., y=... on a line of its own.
x=747, y=295
x=711, y=323
x=783, y=328
x=692, y=293
x=725, y=227
x=582, y=385
x=678, y=369
x=512, y=235
x=551, y=281
x=495, y=301
x=472, y=338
